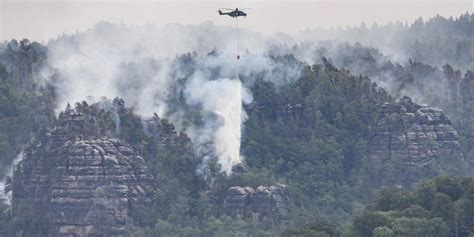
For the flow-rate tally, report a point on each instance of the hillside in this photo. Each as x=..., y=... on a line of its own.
x=110, y=139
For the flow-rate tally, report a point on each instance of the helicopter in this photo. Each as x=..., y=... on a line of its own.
x=234, y=13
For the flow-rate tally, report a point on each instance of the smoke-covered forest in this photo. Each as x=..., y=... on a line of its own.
x=159, y=131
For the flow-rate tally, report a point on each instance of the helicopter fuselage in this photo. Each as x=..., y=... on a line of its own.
x=234, y=14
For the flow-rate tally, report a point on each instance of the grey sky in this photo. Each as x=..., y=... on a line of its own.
x=44, y=19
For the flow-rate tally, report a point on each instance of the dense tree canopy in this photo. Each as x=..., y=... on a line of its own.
x=311, y=133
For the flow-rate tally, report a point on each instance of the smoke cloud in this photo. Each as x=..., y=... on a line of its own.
x=178, y=72
x=224, y=99
x=184, y=71
x=4, y=195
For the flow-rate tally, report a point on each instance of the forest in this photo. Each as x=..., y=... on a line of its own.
x=347, y=140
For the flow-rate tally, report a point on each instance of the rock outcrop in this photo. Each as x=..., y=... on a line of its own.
x=467, y=87
x=412, y=141
x=270, y=201
x=82, y=185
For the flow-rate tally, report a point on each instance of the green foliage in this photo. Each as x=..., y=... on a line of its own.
x=365, y=224
x=314, y=134
x=23, y=111
x=311, y=134
x=392, y=198
x=383, y=231
x=430, y=211
x=415, y=227
x=319, y=228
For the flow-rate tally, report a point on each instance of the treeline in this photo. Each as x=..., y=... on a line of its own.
x=437, y=208
x=444, y=86
x=314, y=134
x=25, y=107
x=436, y=41
x=311, y=134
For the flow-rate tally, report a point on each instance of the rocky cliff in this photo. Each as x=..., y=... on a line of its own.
x=411, y=142
x=467, y=87
x=270, y=201
x=82, y=185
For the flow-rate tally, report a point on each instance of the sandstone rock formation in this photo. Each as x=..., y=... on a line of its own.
x=411, y=141
x=269, y=201
x=82, y=185
x=467, y=87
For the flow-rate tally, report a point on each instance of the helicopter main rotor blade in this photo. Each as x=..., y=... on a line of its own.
x=228, y=8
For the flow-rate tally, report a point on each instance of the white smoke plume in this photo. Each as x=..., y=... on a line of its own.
x=6, y=196
x=143, y=66
x=224, y=98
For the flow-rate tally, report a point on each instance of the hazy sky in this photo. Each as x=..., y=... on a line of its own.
x=41, y=20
